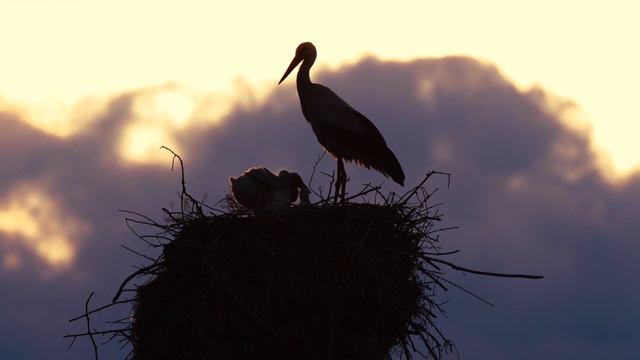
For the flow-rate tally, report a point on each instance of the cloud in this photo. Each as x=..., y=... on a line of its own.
x=32, y=218
x=527, y=191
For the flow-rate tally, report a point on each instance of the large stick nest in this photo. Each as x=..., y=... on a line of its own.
x=322, y=281
x=335, y=282
x=346, y=281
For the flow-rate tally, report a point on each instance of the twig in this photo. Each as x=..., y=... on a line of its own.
x=138, y=253
x=184, y=186
x=460, y=268
x=141, y=271
x=467, y=291
x=99, y=309
x=411, y=193
x=331, y=184
x=103, y=332
x=86, y=311
x=313, y=172
x=362, y=193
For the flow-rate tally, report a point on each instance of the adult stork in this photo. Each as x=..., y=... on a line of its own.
x=341, y=130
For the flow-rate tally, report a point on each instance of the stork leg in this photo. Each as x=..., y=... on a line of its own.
x=341, y=182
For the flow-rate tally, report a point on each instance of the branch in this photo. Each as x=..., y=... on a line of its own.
x=460, y=268
x=99, y=309
x=184, y=186
x=86, y=310
x=313, y=172
x=126, y=281
x=104, y=332
x=411, y=193
x=89, y=332
x=367, y=189
x=467, y=291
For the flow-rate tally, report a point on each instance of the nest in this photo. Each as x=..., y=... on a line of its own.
x=346, y=281
x=323, y=281
x=335, y=282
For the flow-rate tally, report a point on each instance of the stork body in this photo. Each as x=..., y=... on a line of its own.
x=258, y=186
x=343, y=131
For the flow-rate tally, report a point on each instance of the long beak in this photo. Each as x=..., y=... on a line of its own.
x=296, y=60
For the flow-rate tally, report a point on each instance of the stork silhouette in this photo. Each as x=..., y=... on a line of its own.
x=340, y=129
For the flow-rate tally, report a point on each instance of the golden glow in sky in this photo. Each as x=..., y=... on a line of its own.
x=57, y=53
x=157, y=118
x=30, y=219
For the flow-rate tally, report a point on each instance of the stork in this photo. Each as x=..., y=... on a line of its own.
x=282, y=198
x=340, y=129
x=304, y=198
x=257, y=187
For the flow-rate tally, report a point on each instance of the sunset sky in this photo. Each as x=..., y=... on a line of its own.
x=530, y=105
x=58, y=53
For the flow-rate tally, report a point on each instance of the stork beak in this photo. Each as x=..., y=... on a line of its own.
x=296, y=60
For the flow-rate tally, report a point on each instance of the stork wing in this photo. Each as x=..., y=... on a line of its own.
x=354, y=132
x=322, y=107
x=346, y=133
x=367, y=148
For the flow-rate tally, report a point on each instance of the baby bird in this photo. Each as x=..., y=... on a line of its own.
x=257, y=187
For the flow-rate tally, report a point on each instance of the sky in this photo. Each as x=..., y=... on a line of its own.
x=528, y=106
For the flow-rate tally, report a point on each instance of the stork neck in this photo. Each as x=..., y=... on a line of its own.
x=303, y=78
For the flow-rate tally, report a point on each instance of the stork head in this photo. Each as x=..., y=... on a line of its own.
x=305, y=51
x=287, y=183
x=291, y=181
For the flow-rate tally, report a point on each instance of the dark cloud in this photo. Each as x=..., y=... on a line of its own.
x=526, y=191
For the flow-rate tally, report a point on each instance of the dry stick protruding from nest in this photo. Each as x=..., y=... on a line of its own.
x=90, y=333
x=478, y=272
x=184, y=193
x=86, y=310
x=313, y=172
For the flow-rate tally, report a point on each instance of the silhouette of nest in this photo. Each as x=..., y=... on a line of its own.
x=333, y=282
x=346, y=281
